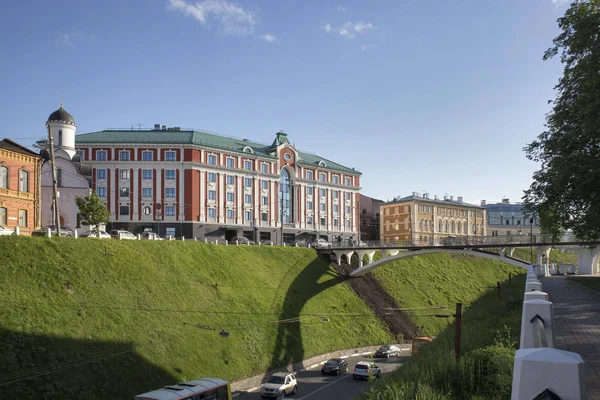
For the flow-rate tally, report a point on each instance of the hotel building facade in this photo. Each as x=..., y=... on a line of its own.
x=198, y=184
x=425, y=221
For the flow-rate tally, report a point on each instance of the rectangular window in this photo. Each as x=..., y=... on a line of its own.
x=248, y=182
x=146, y=192
x=169, y=192
x=212, y=159
x=334, y=194
x=170, y=156
x=2, y=216
x=212, y=177
x=169, y=174
x=309, y=175
x=212, y=195
x=309, y=205
x=22, y=217
x=322, y=207
x=101, y=191
x=124, y=155
x=212, y=212
x=264, y=201
x=147, y=174
x=336, y=179
x=4, y=177
x=248, y=198
x=264, y=217
x=248, y=165
x=348, y=223
x=323, y=222
x=169, y=211
x=264, y=184
x=124, y=192
x=347, y=209
x=335, y=208
x=248, y=215
x=230, y=197
x=309, y=219
x=347, y=181
x=230, y=162
x=124, y=173
x=100, y=174
x=309, y=190
x=147, y=156
x=322, y=192
x=323, y=177
x=229, y=214
x=264, y=167
x=347, y=195
x=123, y=210
x=230, y=179
x=101, y=155
x=336, y=223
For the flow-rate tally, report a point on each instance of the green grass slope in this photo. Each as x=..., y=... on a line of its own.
x=556, y=256
x=422, y=284
x=106, y=319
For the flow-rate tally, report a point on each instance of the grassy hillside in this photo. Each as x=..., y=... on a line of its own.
x=423, y=284
x=110, y=319
x=556, y=256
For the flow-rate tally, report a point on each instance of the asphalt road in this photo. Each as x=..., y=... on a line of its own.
x=314, y=386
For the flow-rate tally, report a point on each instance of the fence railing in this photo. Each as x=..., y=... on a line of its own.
x=540, y=370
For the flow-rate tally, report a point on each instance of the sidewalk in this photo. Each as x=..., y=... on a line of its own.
x=577, y=317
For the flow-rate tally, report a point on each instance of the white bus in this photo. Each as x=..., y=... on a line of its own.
x=198, y=389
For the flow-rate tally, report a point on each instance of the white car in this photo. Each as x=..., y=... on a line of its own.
x=321, y=244
x=388, y=351
x=4, y=231
x=279, y=384
x=150, y=236
x=94, y=235
x=366, y=369
x=122, y=235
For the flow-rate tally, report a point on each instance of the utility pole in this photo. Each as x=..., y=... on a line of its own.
x=54, y=183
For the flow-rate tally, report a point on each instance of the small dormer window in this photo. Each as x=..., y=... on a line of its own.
x=322, y=163
x=248, y=149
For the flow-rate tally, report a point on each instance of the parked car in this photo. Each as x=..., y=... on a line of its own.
x=4, y=231
x=279, y=384
x=321, y=244
x=65, y=231
x=240, y=240
x=266, y=242
x=334, y=366
x=94, y=235
x=365, y=370
x=122, y=235
x=150, y=236
x=387, y=351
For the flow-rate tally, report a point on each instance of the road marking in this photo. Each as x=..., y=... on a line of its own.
x=323, y=387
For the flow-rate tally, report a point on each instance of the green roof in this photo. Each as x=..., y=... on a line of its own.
x=204, y=139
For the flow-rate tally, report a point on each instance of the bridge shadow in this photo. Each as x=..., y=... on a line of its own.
x=289, y=347
x=47, y=367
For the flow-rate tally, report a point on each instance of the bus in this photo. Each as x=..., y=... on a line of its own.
x=198, y=389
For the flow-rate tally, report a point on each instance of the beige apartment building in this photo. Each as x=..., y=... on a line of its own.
x=425, y=221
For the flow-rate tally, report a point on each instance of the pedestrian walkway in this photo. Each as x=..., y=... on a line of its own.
x=577, y=318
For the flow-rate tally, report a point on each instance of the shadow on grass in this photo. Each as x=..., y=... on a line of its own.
x=288, y=345
x=65, y=368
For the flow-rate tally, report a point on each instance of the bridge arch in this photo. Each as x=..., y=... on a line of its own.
x=413, y=253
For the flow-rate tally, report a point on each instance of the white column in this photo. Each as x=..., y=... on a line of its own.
x=136, y=196
x=302, y=206
x=202, y=196
x=257, y=199
x=221, y=190
x=158, y=188
x=239, y=203
x=274, y=205
x=328, y=199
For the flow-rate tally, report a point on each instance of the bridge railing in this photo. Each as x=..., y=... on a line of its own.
x=505, y=240
x=540, y=370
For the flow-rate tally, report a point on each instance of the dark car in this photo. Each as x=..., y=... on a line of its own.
x=240, y=240
x=335, y=366
x=387, y=351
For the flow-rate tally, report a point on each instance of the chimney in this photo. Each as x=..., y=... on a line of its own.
x=415, y=194
x=459, y=198
x=435, y=197
x=483, y=203
x=445, y=197
x=451, y=198
x=164, y=127
x=156, y=127
x=505, y=201
x=426, y=196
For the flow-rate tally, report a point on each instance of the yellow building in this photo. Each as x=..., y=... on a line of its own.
x=425, y=221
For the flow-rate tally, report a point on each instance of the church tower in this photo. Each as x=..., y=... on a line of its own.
x=62, y=128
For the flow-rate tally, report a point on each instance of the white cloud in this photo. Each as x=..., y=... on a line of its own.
x=560, y=2
x=363, y=46
x=269, y=38
x=72, y=38
x=231, y=18
x=349, y=30
x=341, y=9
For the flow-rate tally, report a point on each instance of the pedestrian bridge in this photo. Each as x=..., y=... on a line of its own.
x=588, y=252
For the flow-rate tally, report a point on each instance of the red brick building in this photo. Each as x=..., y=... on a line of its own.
x=19, y=187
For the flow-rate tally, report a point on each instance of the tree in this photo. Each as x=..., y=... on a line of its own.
x=93, y=210
x=566, y=189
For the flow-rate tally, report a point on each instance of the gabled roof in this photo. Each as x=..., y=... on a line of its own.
x=14, y=146
x=205, y=139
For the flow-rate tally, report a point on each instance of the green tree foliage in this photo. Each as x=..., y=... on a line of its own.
x=565, y=190
x=93, y=210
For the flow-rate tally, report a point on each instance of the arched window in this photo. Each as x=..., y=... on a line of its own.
x=60, y=137
x=2, y=215
x=446, y=226
x=3, y=177
x=452, y=227
x=458, y=230
x=421, y=225
x=59, y=178
x=440, y=225
x=248, y=149
x=285, y=197
x=23, y=181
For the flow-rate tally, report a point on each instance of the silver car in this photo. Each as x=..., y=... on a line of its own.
x=4, y=231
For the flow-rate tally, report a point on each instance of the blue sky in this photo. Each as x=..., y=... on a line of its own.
x=419, y=95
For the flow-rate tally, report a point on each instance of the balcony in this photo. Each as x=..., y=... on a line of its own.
x=15, y=194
